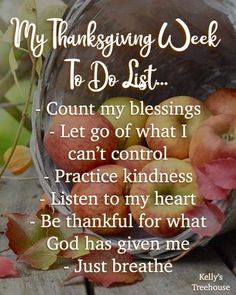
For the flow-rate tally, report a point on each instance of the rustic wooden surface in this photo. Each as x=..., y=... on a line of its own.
x=218, y=257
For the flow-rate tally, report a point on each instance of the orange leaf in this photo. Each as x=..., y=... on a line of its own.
x=20, y=161
x=7, y=268
x=108, y=277
x=44, y=206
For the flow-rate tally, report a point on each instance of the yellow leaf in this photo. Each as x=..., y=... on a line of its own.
x=14, y=66
x=20, y=161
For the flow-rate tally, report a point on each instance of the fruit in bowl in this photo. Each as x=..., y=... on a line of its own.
x=215, y=139
x=175, y=193
x=222, y=101
x=178, y=142
x=135, y=165
x=125, y=118
x=88, y=212
x=74, y=149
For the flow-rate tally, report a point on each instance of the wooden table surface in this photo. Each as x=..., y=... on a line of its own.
x=218, y=257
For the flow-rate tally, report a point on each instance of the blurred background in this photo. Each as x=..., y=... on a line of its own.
x=11, y=100
x=13, y=96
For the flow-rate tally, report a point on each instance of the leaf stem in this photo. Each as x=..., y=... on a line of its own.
x=23, y=117
x=12, y=110
x=8, y=81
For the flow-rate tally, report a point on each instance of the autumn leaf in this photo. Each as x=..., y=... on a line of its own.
x=27, y=238
x=21, y=233
x=207, y=188
x=7, y=268
x=223, y=173
x=39, y=256
x=81, y=251
x=63, y=232
x=20, y=161
x=45, y=10
x=44, y=206
x=37, y=12
x=27, y=11
x=109, y=277
x=214, y=219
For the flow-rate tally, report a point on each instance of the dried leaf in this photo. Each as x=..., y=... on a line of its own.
x=44, y=206
x=20, y=161
x=82, y=251
x=214, y=219
x=207, y=188
x=7, y=268
x=223, y=173
x=39, y=256
x=21, y=233
x=109, y=277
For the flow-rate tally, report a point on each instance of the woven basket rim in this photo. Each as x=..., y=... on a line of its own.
x=41, y=163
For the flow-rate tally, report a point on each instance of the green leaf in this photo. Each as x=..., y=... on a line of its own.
x=37, y=12
x=21, y=233
x=39, y=255
x=82, y=251
x=27, y=12
x=12, y=61
x=45, y=10
x=13, y=67
x=63, y=232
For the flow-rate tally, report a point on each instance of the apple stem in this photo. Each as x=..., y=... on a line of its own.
x=228, y=137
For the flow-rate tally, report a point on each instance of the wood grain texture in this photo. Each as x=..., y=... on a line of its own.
x=185, y=273
x=226, y=248
x=23, y=197
x=18, y=196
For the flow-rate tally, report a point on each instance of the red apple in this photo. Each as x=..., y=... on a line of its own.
x=222, y=101
x=215, y=139
x=177, y=195
x=136, y=121
x=78, y=153
x=176, y=141
x=135, y=165
x=118, y=188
